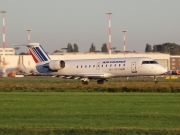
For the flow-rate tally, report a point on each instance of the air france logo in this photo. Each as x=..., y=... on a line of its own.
x=104, y=62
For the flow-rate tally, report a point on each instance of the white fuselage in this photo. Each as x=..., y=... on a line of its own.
x=108, y=68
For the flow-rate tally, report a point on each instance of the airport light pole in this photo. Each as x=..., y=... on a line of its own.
x=124, y=31
x=3, y=42
x=28, y=30
x=109, y=33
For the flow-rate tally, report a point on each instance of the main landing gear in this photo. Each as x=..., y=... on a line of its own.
x=85, y=82
x=100, y=81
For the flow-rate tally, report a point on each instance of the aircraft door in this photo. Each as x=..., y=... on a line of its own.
x=98, y=66
x=133, y=67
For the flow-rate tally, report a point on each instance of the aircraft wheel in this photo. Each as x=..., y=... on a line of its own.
x=100, y=81
x=85, y=82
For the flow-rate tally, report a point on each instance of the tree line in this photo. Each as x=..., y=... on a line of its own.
x=171, y=48
x=74, y=48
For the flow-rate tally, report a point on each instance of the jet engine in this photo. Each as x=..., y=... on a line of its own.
x=56, y=64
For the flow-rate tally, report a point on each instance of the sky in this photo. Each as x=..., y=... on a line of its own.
x=55, y=23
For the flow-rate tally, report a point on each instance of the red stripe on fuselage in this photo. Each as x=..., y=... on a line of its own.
x=33, y=56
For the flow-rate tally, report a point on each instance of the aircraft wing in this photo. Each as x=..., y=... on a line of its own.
x=89, y=76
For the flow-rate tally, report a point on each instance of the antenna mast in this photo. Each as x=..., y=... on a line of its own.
x=109, y=33
x=3, y=43
x=124, y=31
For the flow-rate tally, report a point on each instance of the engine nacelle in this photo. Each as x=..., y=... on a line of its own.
x=56, y=64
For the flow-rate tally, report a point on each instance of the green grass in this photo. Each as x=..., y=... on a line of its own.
x=44, y=84
x=89, y=113
x=46, y=105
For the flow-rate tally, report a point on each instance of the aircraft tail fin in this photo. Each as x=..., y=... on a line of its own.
x=38, y=53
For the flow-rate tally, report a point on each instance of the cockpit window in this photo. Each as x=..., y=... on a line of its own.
x=149, y=62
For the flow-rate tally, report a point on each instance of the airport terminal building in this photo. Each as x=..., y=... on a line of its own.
x=7, y=51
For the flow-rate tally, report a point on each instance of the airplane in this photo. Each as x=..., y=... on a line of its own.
x=99, y=69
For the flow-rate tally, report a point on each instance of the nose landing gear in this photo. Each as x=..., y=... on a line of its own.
x=155, y=79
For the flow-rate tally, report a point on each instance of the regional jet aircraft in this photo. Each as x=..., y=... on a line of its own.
x=99, y=69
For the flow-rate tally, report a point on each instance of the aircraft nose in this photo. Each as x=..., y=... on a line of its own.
x=163, y=70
